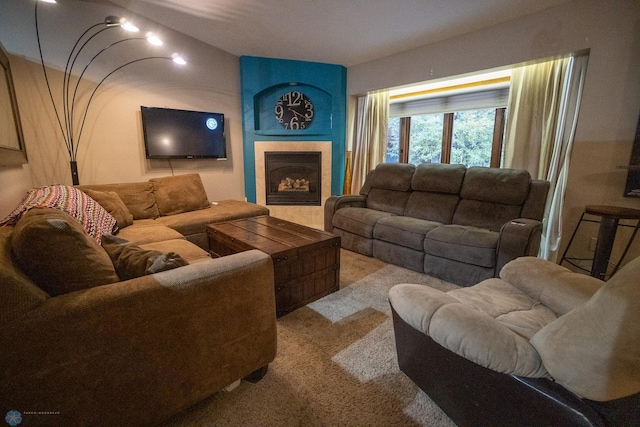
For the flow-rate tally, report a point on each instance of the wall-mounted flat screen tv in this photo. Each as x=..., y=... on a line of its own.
x=183, y=134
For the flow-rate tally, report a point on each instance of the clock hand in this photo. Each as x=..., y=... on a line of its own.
x=295, y=112
x=307, y=119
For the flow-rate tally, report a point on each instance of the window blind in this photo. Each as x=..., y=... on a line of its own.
x=492, y=98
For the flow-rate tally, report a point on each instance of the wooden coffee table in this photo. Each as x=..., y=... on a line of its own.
x=306, y=261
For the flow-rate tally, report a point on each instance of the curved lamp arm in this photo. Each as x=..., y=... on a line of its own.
x=84, y=117
x=66, y=123
x=72, y=102
x=46, y=79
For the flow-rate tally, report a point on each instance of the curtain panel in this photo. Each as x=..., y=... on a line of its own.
x=542, y=116
x=370, y=136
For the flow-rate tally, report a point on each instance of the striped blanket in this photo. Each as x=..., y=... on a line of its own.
x=93, y=217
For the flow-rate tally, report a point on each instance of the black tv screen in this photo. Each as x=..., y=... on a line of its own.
x=183, y=134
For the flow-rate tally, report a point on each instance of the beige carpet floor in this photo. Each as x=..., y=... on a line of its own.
x=336, y=363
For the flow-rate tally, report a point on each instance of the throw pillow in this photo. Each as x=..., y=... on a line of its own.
x=138, y=196
x=131, y=261
x=55, y=251
x=113, y=204
x=182, y=193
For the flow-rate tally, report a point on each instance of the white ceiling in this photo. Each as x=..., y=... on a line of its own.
x=346, y=32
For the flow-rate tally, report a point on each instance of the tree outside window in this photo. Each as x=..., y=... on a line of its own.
x=471, y=138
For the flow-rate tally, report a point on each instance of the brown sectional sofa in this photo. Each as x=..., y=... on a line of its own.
x=140, y=350
x=179, y=203
x=459, y=224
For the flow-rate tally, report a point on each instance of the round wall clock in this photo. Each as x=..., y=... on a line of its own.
x=294, y=111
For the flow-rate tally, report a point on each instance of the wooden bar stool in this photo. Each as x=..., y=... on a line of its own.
x=609, y=223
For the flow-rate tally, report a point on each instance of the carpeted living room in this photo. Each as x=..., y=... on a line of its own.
x=285, y=213
x=335, y=365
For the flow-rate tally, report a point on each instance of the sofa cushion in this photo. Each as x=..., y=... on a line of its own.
x=436, y=189
x=58, y=254
x=403, y=231
x=491, y=197
x=508, y=305
x=503, y=186
x=147, y=231
x=137, y=196
x=468, y=332
x=194, y=222
x=388, y=200
x=358, y=221
x=438, y=178
x=594, y=350
x=177, y=194
x=18, y=294
x=437, y=207
x=392, y=176
x=366, y=187
x=555, y=286
x=390, y=187
x=113, y=204
x=470, y=245
x=131, y=261
x=491, y=216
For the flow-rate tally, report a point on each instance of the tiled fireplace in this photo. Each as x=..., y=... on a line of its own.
x=293, y=179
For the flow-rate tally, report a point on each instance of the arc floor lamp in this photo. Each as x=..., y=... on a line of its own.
x=70, y=112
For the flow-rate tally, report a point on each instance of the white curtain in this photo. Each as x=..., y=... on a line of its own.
x=370, y=136
x=542, y=116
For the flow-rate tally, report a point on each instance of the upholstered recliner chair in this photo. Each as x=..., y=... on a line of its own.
x=540, y=345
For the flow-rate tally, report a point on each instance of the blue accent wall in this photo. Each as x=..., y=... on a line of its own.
x=263, y=81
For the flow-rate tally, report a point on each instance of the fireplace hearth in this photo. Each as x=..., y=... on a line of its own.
x=293, y=178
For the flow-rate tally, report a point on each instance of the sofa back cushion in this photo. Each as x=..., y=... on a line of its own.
x=436, y=192
x=594, y=350
x=390, y=187
x=55, y=251
x=490, y=197
x=550, y=284
x=18, y=294
x=137, y=196
x=181, y=193
x=113, y=204
x=535, y=204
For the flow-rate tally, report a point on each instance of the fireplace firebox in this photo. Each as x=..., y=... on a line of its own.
x=293, y=178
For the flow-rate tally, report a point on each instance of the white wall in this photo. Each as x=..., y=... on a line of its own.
x=611, y=103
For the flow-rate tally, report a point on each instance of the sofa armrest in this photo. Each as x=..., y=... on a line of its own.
x=519, y=237
x=333, y=203
x=468, y=332
x=159, y=342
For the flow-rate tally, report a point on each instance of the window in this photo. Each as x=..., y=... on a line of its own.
x=454, y=126
x=426, y=139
